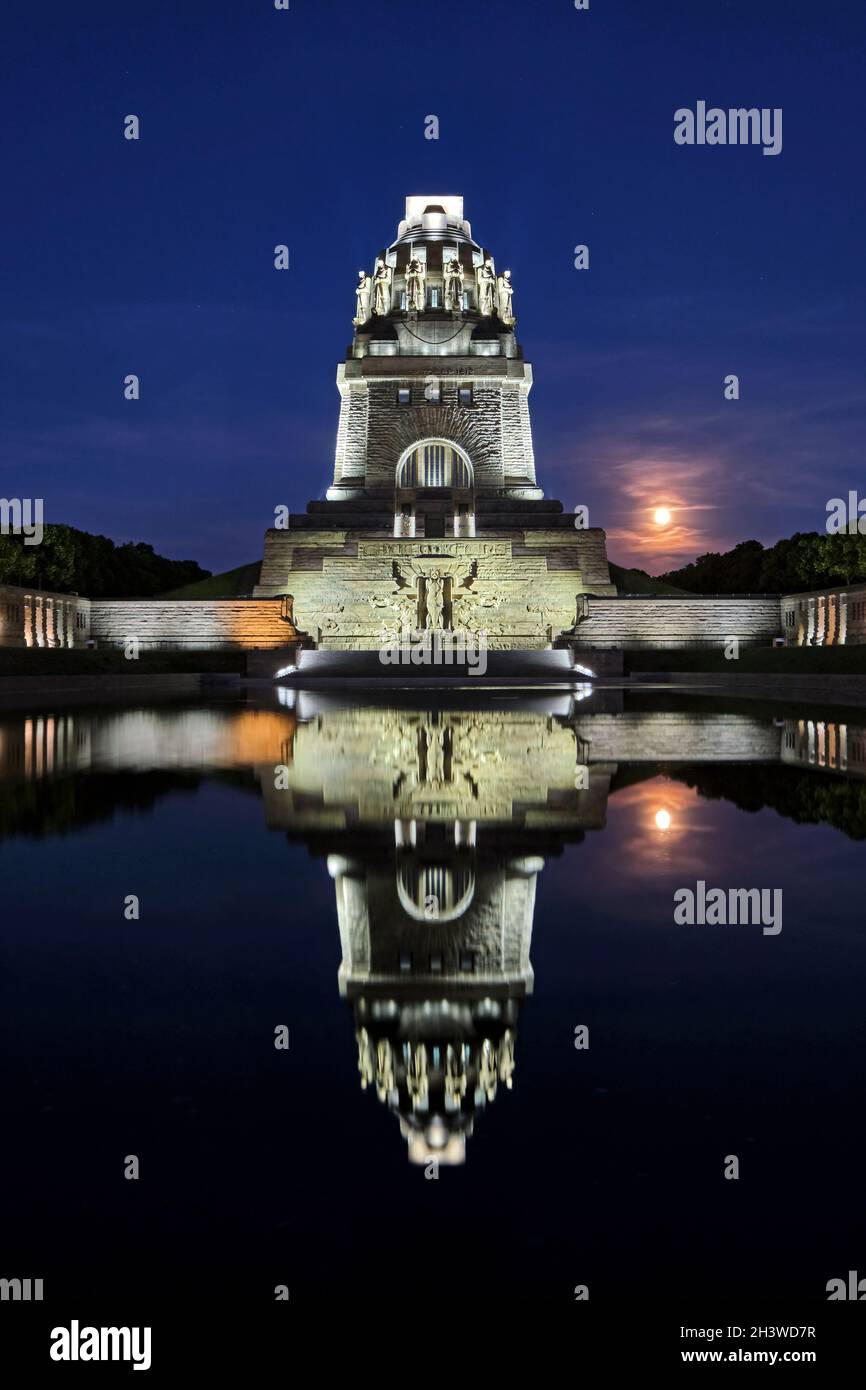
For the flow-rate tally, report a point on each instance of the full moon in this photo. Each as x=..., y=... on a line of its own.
x=662, y=516
x=663, y=820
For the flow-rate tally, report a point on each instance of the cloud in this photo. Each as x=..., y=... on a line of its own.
x=639, y=483
x=726, y=475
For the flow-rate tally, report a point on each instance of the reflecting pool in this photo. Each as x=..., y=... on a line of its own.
x=383, y=994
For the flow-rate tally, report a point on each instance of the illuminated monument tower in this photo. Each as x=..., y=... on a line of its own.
x=434, y=518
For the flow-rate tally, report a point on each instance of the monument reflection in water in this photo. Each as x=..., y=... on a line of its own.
x=434, y=825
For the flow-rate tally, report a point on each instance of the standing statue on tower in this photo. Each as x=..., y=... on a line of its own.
x=363, y=291
x=415, y=278
x=453, y=285
x=382, y=289
x=505, y=291
x=486, y=277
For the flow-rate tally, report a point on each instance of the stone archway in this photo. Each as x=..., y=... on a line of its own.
x=434, y=490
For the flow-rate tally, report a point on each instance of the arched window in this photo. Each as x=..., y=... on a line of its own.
x=449, y=888
x=435, y=463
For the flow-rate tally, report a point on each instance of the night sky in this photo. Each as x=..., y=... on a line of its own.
x=261, y=127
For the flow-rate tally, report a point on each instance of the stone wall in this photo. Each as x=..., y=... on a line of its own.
x=521, y=588
x=561, y=548
x=374, y=430
x=38, y=618
x=518, y=458
x=674, y=737
x=393, y=428
x=287, y=549
x=352, y=432
x=662, y=621
x=825, y=617
x=830, y=745
x=191, y=623
x=371, y=766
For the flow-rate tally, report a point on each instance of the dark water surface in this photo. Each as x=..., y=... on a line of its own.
x=286, y=851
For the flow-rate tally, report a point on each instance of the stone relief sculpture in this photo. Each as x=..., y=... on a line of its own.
x=473, y=611
x=435, y=600
x=463, y=602
x=394, y=750
x=486, y=278
x=434, y=744
x=382, y=289
x=453, y=273
x=505, y=291
x=332, y=621
x=363, y=292
x=426, y=594
x=416, y=276
x=404, y=604
x=483, y=618
x=474, y=756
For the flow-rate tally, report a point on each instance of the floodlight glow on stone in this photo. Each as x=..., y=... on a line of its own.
x=435, y=518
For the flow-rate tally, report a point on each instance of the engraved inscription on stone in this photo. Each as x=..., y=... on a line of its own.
x=379, y=549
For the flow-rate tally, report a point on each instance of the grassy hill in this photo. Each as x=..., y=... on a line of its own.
x=235, y=583
x=639, y=582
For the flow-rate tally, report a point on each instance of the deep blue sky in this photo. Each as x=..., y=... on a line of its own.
x=307, y=128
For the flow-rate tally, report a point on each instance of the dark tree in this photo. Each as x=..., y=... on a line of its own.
x=71, y=560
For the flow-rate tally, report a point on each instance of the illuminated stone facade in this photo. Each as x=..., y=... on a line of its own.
x=825, y=617
x=39, y=618
x=434, y=518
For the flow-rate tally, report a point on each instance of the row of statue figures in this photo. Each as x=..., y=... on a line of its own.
x=378, y=1067
x=374, y=292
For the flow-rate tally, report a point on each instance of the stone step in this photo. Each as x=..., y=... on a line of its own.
x=504, y=665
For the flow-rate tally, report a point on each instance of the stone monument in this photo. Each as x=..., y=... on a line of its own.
x=434, y=518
